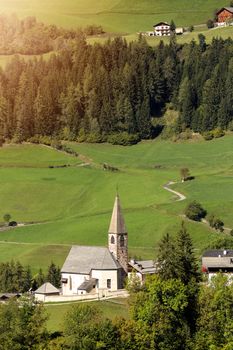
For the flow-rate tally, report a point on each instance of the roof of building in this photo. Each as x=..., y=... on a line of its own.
x=47, y=288
x=161, y=23
x=216, y=253
x=144, y=266
x=88, y=285
x=117, y=223
x=230, y=9
x=83, y=259
x=4, y=296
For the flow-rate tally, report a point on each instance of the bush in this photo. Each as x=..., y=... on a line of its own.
x=215, y=223
x=208, y=136
x=191, y=28
x=218, y=132
x=94, y=137
x=123, y=139
x=194, y=211
x=210, y=23
x=230, y=126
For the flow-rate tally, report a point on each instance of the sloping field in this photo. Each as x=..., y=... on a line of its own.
x=73, y=205
x=115, y=15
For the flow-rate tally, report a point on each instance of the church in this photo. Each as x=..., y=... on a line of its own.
x=88, y=269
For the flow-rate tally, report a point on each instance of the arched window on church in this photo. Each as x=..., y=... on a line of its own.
x=112, y=240
x=122, y=241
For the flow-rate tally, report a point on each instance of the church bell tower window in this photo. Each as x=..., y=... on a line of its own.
x=112, y=240
x=122, y=241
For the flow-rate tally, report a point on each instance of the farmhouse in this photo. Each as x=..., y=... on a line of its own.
x=225, y=14
x=89, y=269
x=162, y=29
x=142, y=268
x=214, y=261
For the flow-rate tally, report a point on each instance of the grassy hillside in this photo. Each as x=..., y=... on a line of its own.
x=73, y=205
x=109, y=309
x=115, y=15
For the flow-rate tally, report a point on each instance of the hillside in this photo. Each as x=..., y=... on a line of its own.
x=74, y=204
x=125, y=16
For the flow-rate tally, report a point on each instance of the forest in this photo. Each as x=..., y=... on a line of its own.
x=118, y=91
x=29, y=37
x=173, y=310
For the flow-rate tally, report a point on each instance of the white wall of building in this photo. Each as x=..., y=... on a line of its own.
x=103, y=276
x=73, y=282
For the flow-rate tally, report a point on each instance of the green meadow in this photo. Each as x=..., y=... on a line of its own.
x=109, y=309
x=121, y=16
x=73, y=205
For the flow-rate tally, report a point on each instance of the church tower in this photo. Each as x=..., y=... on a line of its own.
x=118, y=237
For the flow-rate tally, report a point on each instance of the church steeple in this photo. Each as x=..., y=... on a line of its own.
x=117, y=224
x=117, y=236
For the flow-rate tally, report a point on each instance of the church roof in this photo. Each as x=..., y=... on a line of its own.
x=117, y=224
x=47, y=288
x=83, y=259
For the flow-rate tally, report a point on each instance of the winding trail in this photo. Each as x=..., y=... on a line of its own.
x=181, y=197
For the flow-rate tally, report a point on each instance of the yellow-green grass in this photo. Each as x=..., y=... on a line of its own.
x=109, y=309
x=115, y=15
x=74, y=204
x=187, y=37
x=33, y=156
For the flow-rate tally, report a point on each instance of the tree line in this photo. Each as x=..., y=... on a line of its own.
x=171, y=311
x=16, y=278
x=27, y=36
x=112, y=92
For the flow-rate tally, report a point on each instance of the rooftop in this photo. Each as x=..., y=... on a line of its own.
x=83, y=259
x=218, y=253
x=143, y=266
x=47, y=288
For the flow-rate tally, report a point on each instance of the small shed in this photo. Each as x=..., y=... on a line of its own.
x=47, y=289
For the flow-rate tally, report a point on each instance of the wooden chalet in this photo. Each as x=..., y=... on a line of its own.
x=225, y=14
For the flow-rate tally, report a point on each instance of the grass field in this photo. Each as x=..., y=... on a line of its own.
x=115, y=15
x=109, y=309
x=73, y=205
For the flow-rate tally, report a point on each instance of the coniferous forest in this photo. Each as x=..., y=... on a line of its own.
x=103, y=92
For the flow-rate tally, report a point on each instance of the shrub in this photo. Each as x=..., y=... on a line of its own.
x=194, y=211
x=191, y=28
x=123, y=139
x=94, y=137
x=218, y=132
x=230, y=126
x=208, y=136
x=210, y=23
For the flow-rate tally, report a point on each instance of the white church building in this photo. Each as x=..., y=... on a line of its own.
x=88, y=269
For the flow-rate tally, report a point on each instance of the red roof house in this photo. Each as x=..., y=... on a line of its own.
x=225, y=14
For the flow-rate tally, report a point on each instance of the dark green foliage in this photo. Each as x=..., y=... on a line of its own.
x=85, y=329
x=14, y=277
x=54, y=275
x=123, y=139
x=194, y=211
x=92, y=92
x=210, y=24
x=22, y=326
x=215, y=223
x=215, y=322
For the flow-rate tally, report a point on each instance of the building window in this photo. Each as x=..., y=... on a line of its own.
x=122, y=241
x=70, y=282
x=112, y=240
x=109, y=283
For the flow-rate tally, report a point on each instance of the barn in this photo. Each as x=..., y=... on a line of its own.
x=225, y=14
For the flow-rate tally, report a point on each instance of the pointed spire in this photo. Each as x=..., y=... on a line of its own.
x=117, y=224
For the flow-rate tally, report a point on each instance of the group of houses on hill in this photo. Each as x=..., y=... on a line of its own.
x=223, y=17
x=90, y=270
